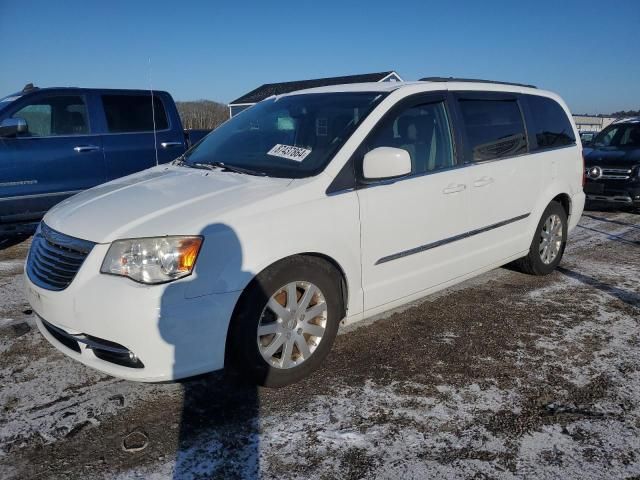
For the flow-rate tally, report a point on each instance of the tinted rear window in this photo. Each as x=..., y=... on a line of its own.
x=494, y=129
x=551, y=127
x=133, y=113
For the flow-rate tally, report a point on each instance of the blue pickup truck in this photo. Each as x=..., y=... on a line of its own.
x=55, y=142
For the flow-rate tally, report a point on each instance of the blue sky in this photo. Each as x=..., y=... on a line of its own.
x=587, y=51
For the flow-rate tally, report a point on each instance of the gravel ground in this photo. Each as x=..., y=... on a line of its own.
x=505, y=376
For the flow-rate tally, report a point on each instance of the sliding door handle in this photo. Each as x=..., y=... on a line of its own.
x=483, y=182
x=170, y=144
x=454, y=188
x=86, y=148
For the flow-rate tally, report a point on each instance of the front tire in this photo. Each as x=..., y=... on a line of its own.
x=548, y=244
x=286, y=321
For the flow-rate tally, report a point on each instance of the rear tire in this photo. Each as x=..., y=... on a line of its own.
x=286, y=321
x=548, y=244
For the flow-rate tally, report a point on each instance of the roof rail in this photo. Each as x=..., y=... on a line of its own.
x=476, y=80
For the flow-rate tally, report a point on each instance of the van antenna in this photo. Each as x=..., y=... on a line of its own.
x=153, y=115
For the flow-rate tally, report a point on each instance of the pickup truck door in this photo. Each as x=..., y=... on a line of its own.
x=58, y=156
x=130, y=144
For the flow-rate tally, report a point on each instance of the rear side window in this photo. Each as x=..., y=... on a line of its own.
x=494, y=129
x=551, y=126
x=133, y=113
x=54, y=116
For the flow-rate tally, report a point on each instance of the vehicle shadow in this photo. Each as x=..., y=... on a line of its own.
x=616, y=222
x=600, y=207
x=218, y=435
x=630, y=298
x=10, y=241
x=612, y=236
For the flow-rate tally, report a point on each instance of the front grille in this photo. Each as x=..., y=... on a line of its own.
x=55, y=258
x=614, y=173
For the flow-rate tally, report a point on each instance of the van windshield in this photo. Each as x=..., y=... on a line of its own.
x=292, y=137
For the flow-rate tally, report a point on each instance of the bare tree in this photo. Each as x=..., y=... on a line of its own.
x=202, y=114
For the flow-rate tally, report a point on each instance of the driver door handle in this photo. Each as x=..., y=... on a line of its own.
x=454, y=188
x=86, y=148
x=482, y=182
x=170, y=144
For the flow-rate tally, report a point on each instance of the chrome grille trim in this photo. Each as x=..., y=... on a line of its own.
x=613, y=173
x=55, y=258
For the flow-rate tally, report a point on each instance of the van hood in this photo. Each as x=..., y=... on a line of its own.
x=164, y=200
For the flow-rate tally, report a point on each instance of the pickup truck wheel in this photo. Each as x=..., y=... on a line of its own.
x=286, y=321
x=549, y=241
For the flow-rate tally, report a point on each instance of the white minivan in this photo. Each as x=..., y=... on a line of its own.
x=308, y=210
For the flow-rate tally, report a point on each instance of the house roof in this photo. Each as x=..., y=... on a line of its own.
x=269, y=89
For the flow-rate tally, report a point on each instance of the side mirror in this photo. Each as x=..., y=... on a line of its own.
x=10, y=127
x=386, y=162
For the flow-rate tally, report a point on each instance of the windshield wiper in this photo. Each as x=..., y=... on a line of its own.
x=236, y=169
x=220, y=165
x=203, y=166
x=178, y=161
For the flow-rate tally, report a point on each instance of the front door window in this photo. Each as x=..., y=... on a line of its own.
x=55, y=116
x=423, y=131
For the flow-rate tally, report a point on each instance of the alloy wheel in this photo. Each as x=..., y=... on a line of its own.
x=550, y=239
x=292, y=324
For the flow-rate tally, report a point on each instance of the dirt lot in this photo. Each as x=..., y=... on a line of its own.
x=506, y=376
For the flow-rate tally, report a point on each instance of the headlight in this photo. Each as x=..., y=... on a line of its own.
x=152, y=260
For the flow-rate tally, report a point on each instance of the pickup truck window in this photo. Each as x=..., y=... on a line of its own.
x=55, y=115
x=293, y=136
x=134, y=113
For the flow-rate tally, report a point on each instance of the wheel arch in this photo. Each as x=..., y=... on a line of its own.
x=344, y=286
x=553, y=193
x=565, y=200
x=344, y=283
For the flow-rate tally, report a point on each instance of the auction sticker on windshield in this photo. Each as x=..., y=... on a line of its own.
x=289, y=152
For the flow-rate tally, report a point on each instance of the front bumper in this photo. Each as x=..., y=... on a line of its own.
x=172, y=336
x=620, y=199
x=618, y=193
